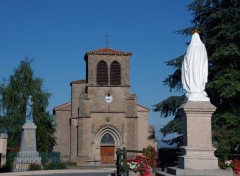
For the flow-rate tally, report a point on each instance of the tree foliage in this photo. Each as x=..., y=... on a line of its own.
x=14, y=96
x=218, y=22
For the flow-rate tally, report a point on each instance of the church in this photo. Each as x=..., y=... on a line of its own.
x=102, y=115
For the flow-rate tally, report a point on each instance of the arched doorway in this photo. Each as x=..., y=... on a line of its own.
x=106, y=140
x=107, y=149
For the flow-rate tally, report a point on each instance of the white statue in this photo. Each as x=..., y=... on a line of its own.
x=195, y=70
x=29, y=109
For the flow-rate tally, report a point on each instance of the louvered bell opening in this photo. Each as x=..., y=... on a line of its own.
x=115, y=74
x=102, y=73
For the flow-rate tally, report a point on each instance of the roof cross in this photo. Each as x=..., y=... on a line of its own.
x=107, y=39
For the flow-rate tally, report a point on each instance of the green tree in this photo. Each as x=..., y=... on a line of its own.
x=218, y=22
x=14, y=96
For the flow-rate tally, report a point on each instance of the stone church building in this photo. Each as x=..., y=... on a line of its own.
x=102, y=115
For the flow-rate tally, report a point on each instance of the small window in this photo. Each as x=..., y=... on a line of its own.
x=102, y=73
x=107, y=139
x=115, y=73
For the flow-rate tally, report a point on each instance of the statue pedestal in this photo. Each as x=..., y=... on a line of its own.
x=28, y=153
x=197, y=154
x=197, y=151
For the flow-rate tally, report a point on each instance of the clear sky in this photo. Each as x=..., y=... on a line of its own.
x=57, y=33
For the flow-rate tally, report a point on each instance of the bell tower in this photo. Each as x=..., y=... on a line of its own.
x=107, y=67
x=108, y=79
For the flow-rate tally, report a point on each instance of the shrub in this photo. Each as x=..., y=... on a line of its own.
x=34, y=166
x=5, y=168
x=55, y=166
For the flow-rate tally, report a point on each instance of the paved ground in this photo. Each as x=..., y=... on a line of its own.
x=74, y=171
x=66, y=172
x=81, y=174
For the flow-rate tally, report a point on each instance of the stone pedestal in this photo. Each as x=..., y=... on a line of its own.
x=28, y=153
x=197, y=151
x=197, y=154
x=171, y=171
x=3, y=148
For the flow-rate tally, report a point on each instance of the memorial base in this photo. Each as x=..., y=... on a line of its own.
x=198, y=158
x=171, y=171
x=28, y=154
x=25, y=159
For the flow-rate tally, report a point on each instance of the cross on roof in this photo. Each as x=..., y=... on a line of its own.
x=107, y=39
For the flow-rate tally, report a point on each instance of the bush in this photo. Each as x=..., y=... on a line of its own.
x=49, y=157
x=55, y=166
x=5, y=168
x=33, y=167
x=168, y=157
x=9, y=162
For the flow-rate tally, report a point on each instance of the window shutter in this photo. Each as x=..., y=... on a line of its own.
x=115, y=73
x=102, y=73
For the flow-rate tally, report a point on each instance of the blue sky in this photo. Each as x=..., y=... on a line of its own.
x=57, y=33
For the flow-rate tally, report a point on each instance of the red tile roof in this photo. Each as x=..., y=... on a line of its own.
x=109, y=51
x=62, y=105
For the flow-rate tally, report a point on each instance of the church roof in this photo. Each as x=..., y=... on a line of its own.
x=67, y=107
x=78, y=82
x=141, y=108
x=63, y=107
x=108, y=51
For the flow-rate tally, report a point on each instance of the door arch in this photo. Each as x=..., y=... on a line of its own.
x=108, y=138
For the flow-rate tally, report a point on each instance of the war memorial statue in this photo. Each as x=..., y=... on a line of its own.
x=28, y=153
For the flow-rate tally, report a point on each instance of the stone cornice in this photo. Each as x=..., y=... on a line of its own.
x=198, y=107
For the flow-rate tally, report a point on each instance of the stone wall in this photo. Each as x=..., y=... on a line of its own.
x=3, y=148
x=62, y=134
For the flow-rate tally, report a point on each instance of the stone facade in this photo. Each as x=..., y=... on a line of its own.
x=89, y=127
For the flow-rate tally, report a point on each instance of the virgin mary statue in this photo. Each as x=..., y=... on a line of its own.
x=195, y=70
x=29, y=109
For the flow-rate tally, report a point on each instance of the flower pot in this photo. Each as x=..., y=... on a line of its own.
x=131, y=173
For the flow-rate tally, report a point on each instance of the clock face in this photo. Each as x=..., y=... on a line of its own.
x=108, y=99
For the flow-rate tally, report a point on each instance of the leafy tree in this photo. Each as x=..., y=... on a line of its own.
x=218, y=22
x=14, y=96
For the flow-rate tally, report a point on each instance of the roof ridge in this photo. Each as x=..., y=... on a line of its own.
x=62, y=105
x=80, y=81
x=108, y=51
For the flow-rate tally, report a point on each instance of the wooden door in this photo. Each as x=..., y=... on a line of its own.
x=107, y=154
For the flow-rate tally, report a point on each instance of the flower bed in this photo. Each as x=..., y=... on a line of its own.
x=143, y=164
x=234, y=165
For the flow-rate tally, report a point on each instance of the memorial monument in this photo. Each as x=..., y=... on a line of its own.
x=197, y=153
x=28, y=153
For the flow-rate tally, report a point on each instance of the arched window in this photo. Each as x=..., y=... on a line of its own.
x=102, y=73
x=107, y=139
x=115, y=73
